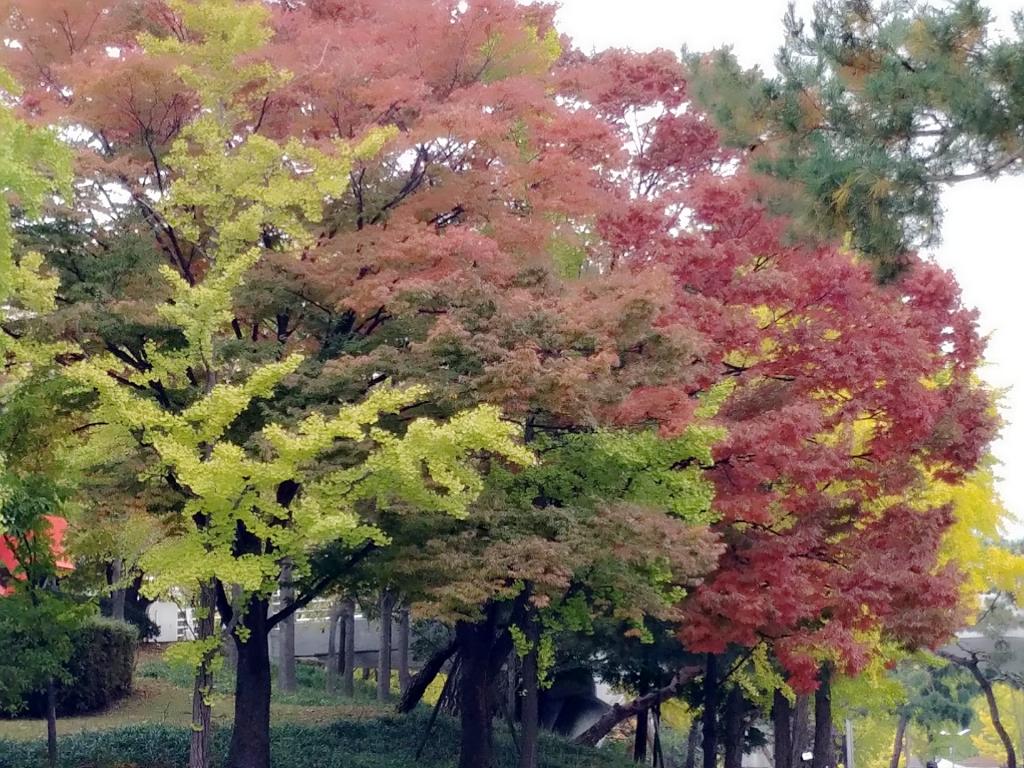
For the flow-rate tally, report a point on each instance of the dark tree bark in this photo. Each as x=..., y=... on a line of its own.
x=710, y=716
x=692, y=742
x=483, y=648
x=476, y=705
x=619, y=712
x=641, y=737
x=412, y=696
x=734, y=712
x=897, y=744
x=529, y=715
x=657, y=754
x=404, y=632
x=824, y=747
x=801, y=728
x=387, y=607
x=117, y=595
x=348, y=646
x=250, y=739
x=782, y=728
x=51, y=723
x=286, y=681
x=201, y=732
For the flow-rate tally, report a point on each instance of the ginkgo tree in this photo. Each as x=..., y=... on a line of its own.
x=254, y=498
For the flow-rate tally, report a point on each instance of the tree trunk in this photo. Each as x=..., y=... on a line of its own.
x=286, y=681
x=229, y=648
x=445, y=690
x=974, y=668
x=331, y=666
x=348, y=645
x=692, y=741
x=117, y=594
x=782, y=726
x=387, y=607
x=657, y=753
x=529, y=715
x=250, y=739
x=710, y=716
x=734, y=707
x=230, y=652
x=641, y=737
x=483, y=648
x=801, y=728
x=404, y=632
x=201, y=732
x=51, y=723
x=824, y=748
x=997, y=723
x=475, y=695
x=897, y=744
x=412, y=696
x=619, y=712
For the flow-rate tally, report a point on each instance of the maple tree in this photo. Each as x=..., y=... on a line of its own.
x=846, y=394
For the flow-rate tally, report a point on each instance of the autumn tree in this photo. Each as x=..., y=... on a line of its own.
x=246, y=510
x=561, y=235
x=826, y=423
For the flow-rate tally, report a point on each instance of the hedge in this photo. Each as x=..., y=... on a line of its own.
x=388, y=742
x=101, y=668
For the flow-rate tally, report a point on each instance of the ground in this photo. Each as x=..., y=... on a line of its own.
x=311, y=729
x=162, y=696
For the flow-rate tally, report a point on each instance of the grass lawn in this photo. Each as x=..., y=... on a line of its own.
x=311, y=729
x=162, y=695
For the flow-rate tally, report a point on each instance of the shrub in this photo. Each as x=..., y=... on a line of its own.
x=387, y=742
x=100, y=669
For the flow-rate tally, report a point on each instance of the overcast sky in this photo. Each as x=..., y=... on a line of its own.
x=982, y=234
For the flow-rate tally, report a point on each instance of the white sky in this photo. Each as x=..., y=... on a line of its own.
x=982, y=234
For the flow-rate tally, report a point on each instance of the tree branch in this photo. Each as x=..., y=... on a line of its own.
x=321, y=585
x=620, y=712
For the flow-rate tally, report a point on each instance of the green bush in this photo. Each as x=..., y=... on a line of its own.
x=388, y=742
x=100, y=669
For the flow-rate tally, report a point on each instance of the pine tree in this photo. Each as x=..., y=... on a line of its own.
x=875, y=108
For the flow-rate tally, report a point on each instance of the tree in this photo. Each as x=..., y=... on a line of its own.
x=36, y=621
x=992, y=588
x=876, y=106
x=247, y=509
x=816, y=443
x=806, y=476
x=583, y=535
x=564, y=236
x=988, y=742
